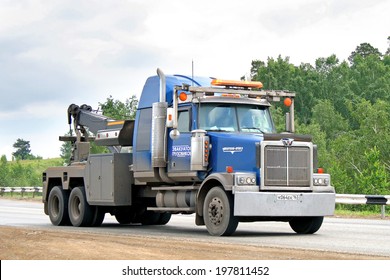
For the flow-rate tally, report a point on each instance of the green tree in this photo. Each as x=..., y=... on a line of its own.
x=373, y=121
x=4, y=171
x=23, y=149
x=374, y=178
x=66, y=149
x=370, y=78
x=119, y=110
x=319, y=138
x=364, y=50
x=330, y=121
x=275, y=74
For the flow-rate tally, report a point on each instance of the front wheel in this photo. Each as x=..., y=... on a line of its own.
x=306, y=225
x=218, y=213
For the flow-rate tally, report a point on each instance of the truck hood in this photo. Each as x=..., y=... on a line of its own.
x=237, y=150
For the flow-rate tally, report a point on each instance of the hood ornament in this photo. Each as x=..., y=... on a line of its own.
x=287, y=142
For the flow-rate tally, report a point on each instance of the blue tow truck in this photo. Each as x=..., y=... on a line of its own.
x=198, y=146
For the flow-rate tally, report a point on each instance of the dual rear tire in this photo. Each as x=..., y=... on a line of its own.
x=58, y=206
x=73, y=208
x=145, y=218
x=81, y=214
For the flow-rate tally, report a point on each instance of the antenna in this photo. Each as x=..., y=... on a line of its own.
x=192, y=71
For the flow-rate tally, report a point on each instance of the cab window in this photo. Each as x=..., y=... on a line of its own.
x=183, y=121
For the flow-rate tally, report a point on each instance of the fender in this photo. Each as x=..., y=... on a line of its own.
x=226, y=180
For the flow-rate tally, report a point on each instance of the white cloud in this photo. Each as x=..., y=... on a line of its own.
x=54, y=53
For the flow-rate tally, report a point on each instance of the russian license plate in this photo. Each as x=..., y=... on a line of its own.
x=287, y=197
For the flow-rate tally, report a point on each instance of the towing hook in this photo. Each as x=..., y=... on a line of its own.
x=73, y=110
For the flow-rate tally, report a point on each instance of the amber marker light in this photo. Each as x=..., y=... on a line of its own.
x=287, y=102
x=233, y=83
x=183, y=96
x=320, y=170
x=229, y=169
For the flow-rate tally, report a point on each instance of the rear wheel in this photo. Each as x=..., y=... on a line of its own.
x=164, y=218
x=81, y=214
x=306, y=225
x=58, y=206
x=125, y=217
x=98, y=216
x=218, y=212
x=150, y=218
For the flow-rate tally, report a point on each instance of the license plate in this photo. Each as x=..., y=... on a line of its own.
x=287, y=197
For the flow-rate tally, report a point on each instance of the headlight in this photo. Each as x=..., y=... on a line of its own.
x=245, y=179
x=321, y=180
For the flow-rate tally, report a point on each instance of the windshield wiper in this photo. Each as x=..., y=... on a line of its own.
x=216, y=129
x=247, y=127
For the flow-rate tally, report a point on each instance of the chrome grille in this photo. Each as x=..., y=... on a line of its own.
x=287, y=166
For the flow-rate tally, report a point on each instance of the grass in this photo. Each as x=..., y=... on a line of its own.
x=23, y=173
x=361, y=213
x=26, y=196
x=39, y=164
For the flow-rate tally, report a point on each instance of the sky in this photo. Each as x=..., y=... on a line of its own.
x=57, y=52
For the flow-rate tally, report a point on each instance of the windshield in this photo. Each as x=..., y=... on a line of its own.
x=235, y=117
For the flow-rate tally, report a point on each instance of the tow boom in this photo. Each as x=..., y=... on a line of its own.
x=108, y=132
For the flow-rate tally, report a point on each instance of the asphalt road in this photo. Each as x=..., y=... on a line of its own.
x=356, y=236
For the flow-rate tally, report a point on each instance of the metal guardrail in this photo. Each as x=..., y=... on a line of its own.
x=363, y=199
x=358, y=199
x=21, y=190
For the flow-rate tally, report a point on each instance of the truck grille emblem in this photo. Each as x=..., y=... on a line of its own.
x=287, y=142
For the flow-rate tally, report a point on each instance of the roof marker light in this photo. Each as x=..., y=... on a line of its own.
x=232, y=83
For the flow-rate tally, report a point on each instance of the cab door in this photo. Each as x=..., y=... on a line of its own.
x=179, y=150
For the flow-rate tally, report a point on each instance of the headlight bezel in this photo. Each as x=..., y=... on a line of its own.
x=245, y=179
x=321, y=180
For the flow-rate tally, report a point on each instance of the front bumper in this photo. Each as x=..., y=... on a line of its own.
x=285, y=204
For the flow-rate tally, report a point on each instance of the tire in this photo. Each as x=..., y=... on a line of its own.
x=306, y=225
x=218, y=213
x=57, y=206
x=98, y=216
x=81, y=214
x=149, y=218
x=164, y=218
x=125, y=217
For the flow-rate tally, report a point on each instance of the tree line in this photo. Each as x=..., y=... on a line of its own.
x=345, y=105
